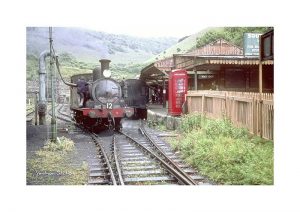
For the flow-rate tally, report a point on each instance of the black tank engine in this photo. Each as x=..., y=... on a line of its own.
x=99, y=104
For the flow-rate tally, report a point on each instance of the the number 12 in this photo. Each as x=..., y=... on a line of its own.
x=109, y=105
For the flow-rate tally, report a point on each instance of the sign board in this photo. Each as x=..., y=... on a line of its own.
x=251, y=44
x=206, y=76
x=267, y=46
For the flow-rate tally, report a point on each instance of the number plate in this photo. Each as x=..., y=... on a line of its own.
x=109, y=105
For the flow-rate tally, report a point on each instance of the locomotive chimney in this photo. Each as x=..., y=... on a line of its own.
x=104, y=65
x=98, y=72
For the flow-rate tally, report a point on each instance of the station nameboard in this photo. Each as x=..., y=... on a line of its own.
x=206, y=76
x=267, y=46
x=251, y=44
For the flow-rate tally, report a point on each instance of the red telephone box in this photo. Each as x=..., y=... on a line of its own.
x=178, y=85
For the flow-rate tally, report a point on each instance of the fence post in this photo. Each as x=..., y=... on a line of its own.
x=226, y=105
x=202, y=105
x=253, y=115
x=260, y=116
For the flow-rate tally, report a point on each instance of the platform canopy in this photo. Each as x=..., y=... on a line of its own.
x=152, y=75
x=189, y=62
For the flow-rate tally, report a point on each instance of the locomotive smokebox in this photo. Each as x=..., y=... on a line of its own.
x=104, y=65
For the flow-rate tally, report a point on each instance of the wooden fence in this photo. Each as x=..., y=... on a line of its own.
x=247, y=110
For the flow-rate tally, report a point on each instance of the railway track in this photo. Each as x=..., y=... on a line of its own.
x=136, y=156
x=100, y=170
x=29, y=111
x=30, y=114
x=146, y=161
x=62, y=115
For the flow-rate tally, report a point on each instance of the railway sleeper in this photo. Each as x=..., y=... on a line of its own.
x=98, y=169
x=99, y=174
x=149, y=179
x=127, y=148
x=131, y=155
x=145, y=167
x=144, y=172
x=101, y=164
x=130, y=152
x=125, y=145
x=138, y=158
x=197, y=177
x=133, y=163
x=99, y=182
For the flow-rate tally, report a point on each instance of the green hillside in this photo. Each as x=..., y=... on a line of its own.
x=182, y=46
x=69, y=66
x=90, y=46
x=79, y=50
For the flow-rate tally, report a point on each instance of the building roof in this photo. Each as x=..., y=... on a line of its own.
x=218, y=52
x=151, y=74
x=218, y=47
x=188, y=61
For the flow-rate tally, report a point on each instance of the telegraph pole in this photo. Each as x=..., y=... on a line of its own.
x=35, y=107
x=53, y=119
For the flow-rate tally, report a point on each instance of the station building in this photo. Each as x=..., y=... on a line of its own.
x=219, y=65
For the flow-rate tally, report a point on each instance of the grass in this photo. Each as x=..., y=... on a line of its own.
x=51, y=165
x=225, y=154
x=159, y=126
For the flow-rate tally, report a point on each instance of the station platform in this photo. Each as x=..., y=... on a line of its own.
x=157, y=108
x=156, y=115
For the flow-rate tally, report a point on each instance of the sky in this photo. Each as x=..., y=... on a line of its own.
x=149, y=30
x=146, y=19
x=155, y=18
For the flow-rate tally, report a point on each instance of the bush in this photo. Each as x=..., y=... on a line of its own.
x=191, y=122
x=225, y=154
x=223, y=127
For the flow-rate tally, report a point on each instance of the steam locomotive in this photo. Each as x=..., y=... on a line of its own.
x=136, y=95
x=103, y=106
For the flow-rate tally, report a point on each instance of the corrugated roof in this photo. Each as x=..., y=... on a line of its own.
x=218, y=47
x=151, y=72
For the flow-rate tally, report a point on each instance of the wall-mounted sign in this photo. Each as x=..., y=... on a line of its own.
x=267, y=46
x=251, y=44
x=206, y=76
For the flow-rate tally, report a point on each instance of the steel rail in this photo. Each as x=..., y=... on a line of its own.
x=171, y=170
x=95, y=138
x=31, y=112
x=117, y=161
x=59, y=111
x=169, y=160
x=112, y=176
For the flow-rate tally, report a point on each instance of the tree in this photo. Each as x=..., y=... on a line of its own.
x=231, y=34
